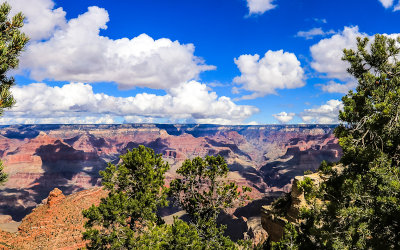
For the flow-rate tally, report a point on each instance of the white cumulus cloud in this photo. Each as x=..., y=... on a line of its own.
x=260, y=6
x=328, y=52
x=77, y=103
x=99, y=119
x=310, y=34
x=262, y=76
x=77, y=52
x=41, y=17
x=386, y=3
x=324, y=114
x=335, y=87
x=284, y=117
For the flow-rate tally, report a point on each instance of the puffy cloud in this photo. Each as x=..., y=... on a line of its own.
x=100, y=119
x=310, y=34
x=284, y=117
x=328, y=52
x=334, y=87
x=77, y=52
x=41, y=17
x=77, y=103
x=324, y=114
x=386, y=3
x=138, y=119
x=260, y=6
x=276, y=70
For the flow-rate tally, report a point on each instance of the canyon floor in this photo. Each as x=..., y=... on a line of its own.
x=40, y=158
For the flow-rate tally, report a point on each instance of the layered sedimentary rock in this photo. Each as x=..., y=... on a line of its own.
x=57, y=223
x=39, y=158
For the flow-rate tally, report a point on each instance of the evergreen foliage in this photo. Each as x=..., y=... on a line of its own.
x=282, y=204
x=326, y=168
x=135, y=193
x=307, y=172
x=359, y=208
x=127, y=218
x=179, y=235
x=289, y=240
x=203, y=194
x=307, y=187
x=182, y=235
x=3, y=176
x=12, y=42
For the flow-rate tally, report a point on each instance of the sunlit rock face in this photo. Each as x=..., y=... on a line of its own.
x=39, y=158
x=56, y=223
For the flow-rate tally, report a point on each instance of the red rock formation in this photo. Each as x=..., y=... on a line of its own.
x=55, y=197
x=56, y=224
x=39, y=158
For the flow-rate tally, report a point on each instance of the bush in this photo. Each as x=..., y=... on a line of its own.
x=307, y=186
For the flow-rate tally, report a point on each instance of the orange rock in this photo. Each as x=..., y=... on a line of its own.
x=55, y=197
x=265, y=158
x=57, y=224
x=5, y=219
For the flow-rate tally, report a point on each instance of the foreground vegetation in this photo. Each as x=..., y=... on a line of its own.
x=12, y=42
x=356, y=208
x=128, y=219
x=359, y=208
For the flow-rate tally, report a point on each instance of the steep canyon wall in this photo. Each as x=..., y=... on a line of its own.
x=39, y=158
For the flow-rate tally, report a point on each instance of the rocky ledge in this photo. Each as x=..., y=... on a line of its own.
x=55, y=224
x=39, y=158
x=287, y=209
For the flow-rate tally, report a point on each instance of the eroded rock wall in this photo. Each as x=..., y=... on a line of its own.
x=39, y=158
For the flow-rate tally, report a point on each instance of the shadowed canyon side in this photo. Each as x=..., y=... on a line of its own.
x=39, y=158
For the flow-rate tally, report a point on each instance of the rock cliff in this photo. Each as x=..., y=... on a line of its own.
x=55, y=224
x=274, y=217
x=39, y=158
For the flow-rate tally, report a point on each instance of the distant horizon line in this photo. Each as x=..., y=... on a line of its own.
x=185, y=124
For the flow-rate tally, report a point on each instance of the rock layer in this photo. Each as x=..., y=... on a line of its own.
x=39, y=158
x=55, y=224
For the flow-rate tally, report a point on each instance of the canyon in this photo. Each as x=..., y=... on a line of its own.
x=40, y=158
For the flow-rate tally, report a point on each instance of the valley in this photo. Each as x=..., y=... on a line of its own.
x=39, y=158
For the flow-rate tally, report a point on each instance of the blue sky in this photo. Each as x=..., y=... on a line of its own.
x=197, y=61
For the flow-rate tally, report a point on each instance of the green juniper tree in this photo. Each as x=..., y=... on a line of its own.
x=203, y=194
x=12, y=42
x=127, y=218
x=289, y=239
x=135, y=193
x=360, y=206
x=3, y=176
x=178, y=236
